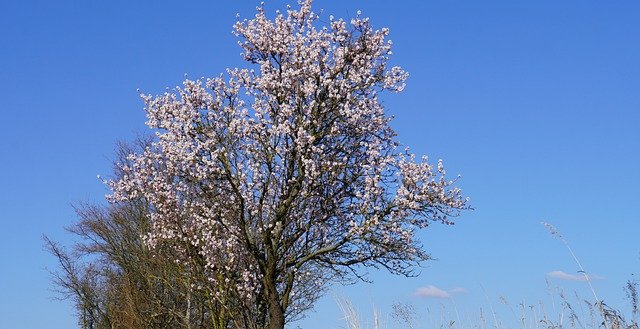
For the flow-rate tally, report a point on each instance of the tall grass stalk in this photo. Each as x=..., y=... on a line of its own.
x=350, y=314
x=554, y=232
x=352, y=317
x=493, y=313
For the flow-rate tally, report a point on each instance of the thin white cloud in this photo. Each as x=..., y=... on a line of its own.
x=458, y=290
x=571, y=277
x=431, y=292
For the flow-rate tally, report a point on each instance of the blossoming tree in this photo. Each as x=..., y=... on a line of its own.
x=282, y=179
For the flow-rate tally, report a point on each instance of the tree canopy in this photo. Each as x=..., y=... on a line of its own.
x=282, y=177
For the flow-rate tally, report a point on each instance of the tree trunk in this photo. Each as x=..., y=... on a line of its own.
x=276, y=313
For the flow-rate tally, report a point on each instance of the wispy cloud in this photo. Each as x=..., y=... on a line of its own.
x=459, y=290
x=571, y=277
x=431, y=292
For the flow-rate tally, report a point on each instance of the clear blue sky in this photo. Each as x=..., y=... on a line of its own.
x=535, y=103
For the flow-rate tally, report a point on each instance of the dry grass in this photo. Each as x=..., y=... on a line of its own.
x=571, y=312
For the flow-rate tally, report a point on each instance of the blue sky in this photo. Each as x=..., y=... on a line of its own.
x=535, y=103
